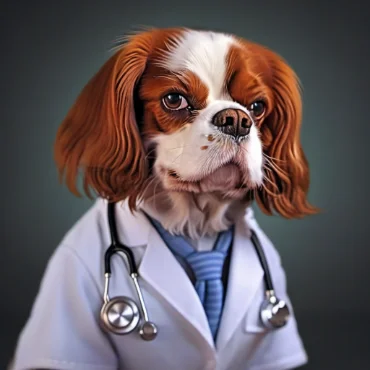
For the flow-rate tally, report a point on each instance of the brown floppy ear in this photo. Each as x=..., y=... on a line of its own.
x=286, y=170
x=100, y=136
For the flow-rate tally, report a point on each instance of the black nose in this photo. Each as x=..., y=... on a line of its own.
x=233, y=122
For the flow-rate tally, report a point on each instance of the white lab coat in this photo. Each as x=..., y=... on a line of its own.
x=63, y=330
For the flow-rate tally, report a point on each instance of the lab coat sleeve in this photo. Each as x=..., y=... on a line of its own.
x=63, y=331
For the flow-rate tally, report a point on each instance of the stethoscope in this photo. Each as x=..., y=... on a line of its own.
x=121, y=315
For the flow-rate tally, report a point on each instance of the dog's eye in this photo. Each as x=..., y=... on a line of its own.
x=175, y=102
x=258, y=108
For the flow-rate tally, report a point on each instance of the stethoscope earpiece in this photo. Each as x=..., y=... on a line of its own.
x=274, y=312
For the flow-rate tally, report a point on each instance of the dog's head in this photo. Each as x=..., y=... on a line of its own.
x=196, y=111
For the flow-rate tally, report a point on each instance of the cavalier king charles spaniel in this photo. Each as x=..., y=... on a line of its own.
x=190, y=126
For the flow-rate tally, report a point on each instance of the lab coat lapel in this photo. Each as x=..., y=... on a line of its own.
x=245, y=276
x=161, y=270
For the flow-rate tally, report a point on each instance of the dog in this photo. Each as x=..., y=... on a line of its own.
x=191, y=127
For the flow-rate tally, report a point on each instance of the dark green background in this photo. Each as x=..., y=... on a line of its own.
x=51, y=49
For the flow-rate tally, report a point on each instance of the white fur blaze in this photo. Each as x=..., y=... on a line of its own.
x=204, y=53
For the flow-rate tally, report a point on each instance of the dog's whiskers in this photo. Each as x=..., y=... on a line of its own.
x=149, y=152
x=272, y=158
x=274, y=165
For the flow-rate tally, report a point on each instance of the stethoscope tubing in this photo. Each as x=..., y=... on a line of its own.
x=274, y=312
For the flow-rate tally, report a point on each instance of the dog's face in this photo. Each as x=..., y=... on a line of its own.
x=203, y=106
x=196, y=111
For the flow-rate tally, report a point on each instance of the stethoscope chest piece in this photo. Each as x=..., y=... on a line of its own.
x=274, y=312
x=120, y=315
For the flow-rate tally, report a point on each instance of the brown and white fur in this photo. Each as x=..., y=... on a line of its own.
x=175, y=163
